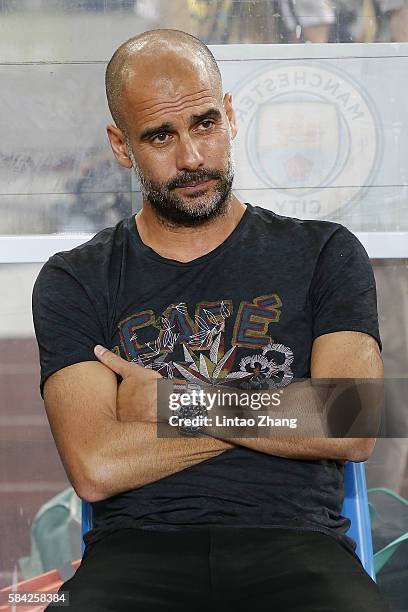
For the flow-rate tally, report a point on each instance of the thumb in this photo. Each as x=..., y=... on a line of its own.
x=111, y=360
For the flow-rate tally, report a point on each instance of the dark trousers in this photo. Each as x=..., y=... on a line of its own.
x=221, y=569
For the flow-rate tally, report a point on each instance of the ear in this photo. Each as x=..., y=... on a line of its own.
x=227, y=102
x=119, y=146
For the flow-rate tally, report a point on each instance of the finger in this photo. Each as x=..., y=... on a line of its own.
x=113, y=361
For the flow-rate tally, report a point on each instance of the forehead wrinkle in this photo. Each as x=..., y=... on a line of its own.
x=173, y=108
x=175, y=101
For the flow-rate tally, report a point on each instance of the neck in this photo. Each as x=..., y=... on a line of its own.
x=187, y=243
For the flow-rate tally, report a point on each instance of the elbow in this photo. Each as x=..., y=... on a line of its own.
x=88, y=490
x=89, y=484
x=360, y=449
x=89, y=493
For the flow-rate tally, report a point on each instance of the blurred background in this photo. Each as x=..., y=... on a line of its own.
x=319, y=89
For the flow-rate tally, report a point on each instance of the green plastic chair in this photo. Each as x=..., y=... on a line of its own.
x=382, y=556
x=55, y=535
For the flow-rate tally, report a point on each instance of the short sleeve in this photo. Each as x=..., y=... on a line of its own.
x=343, y=291
x=66, y=320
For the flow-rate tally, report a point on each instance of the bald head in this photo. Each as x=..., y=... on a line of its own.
x=154, y=52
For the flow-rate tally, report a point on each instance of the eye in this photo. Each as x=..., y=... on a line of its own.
x=207, y=123
x=160, y=138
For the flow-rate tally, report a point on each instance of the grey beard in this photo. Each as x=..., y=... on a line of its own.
x=175, y=211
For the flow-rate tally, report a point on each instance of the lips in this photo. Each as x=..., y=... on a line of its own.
x=192, y=185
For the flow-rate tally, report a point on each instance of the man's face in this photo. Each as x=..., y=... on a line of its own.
x=180, y=143
x=192, y=196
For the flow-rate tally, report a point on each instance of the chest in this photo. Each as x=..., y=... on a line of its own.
x=217, y=325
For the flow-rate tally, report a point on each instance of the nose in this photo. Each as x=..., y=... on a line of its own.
x=188, y=154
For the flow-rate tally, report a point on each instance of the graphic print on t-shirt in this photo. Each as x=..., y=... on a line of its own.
x=179, y=346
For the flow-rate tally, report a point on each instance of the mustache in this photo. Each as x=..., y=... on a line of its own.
x=198, y=176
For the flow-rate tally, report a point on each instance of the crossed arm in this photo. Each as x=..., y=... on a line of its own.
x=107, y=438
x=339, y=355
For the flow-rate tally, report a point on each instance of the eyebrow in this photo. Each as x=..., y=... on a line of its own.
x=211, y=113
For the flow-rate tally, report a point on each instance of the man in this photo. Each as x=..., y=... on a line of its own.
x=200, y=286
x=308, y=21
x=352, y=20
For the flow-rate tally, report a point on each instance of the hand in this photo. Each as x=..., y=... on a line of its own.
x=137, y=393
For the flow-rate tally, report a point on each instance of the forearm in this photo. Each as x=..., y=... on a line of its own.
x=316, y=410
x=339, y=449
x=132, y=456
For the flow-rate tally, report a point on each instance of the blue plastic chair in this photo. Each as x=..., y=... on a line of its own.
x=86, y=520
x=355, y=507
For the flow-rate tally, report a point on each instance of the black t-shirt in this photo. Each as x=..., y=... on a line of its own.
x=259, y=298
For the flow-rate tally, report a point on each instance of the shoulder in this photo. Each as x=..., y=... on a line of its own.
x=96, y=250
x=92, y=268
x=93, y=257
x=308, y=233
